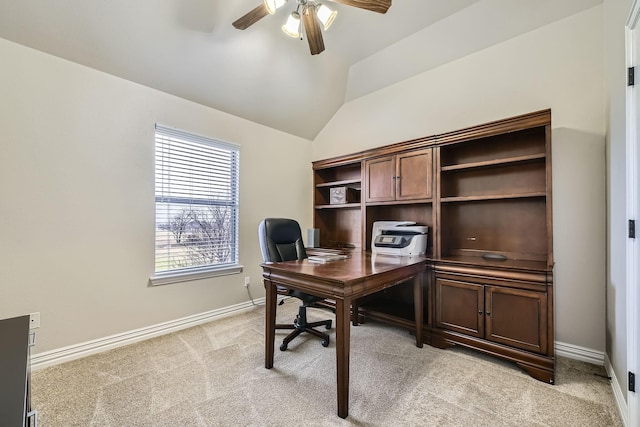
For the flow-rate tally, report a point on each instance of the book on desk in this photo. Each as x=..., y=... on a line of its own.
x=324, y=255
x=326, y=258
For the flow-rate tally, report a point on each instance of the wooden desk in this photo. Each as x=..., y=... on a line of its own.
x=343, y=281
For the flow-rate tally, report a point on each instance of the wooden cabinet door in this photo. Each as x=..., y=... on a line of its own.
x=414, y=175
x=380, y=179
x=407, y=176
x=517, y=318
x=460, y=307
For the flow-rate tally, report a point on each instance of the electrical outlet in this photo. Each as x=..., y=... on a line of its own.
x=247, y=281
x=34, y=320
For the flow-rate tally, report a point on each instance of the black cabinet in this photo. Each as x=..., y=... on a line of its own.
x=15, y=387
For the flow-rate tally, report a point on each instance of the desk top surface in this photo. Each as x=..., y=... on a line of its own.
x=357, y=267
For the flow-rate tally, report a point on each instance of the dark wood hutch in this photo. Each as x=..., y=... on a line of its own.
x=485, y=193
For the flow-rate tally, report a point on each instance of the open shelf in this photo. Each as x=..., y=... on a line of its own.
x=495, y=180
x=345, y=174
x=420, y=213
x=340, y=206
x=509, y=147
x=494, y=162
x=355, y=183
x=394, y=305
x=348, y=194
x=492, y=197
x=514, y=227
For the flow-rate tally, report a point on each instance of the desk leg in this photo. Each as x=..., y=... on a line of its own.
x=354, y=312
x=418, y=306
x=270, y=323
x=342, y=355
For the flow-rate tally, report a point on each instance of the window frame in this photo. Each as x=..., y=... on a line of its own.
x=163, y=135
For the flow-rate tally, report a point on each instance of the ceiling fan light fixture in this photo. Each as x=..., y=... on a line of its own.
x=313, y=15
x=325, y=15
x=292, y=27
x=273, y=5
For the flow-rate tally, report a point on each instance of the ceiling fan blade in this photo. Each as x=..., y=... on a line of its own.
x=252, y=17
x=380, y=6
x=313, y=30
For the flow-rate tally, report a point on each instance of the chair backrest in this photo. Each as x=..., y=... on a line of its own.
x=281, y=240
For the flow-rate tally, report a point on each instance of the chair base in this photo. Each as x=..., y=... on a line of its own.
x=301, y=325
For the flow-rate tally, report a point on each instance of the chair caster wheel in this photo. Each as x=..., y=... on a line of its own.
x=325, y=343
x=328, y=325
x=283, y=347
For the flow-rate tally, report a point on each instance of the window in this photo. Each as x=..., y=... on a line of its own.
x=196, y=197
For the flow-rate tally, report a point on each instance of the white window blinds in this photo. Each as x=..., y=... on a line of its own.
x=196, y=196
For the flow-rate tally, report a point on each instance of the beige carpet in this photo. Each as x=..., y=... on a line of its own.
x=213, y=375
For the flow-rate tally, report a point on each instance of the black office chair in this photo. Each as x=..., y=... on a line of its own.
x=281, y=240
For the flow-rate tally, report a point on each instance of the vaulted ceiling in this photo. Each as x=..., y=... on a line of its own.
x=189, y=48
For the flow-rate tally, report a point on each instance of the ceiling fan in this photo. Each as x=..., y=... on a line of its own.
x=315, y=16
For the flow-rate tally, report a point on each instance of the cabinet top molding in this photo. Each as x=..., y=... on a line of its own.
x=511, y=124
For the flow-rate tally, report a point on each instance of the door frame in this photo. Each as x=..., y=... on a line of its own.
x=632, y=42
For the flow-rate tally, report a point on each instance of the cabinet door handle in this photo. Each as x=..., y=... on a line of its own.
x=479, y=311
x=488, y=313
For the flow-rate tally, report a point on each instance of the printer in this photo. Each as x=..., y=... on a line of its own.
x=401, y=238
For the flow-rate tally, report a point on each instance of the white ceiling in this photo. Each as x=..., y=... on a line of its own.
x=189, y=48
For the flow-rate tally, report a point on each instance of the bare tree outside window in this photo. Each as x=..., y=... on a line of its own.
x=178, y=224
x=200, y=236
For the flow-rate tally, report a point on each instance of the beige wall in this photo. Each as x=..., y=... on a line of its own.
x=559, y=66
x=77, y=204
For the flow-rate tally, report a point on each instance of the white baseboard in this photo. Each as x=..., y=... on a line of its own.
x=617, y=391
x=76, y=351
x=579, y=353
x=601, y=359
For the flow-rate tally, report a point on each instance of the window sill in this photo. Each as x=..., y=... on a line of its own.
x=187, y=276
